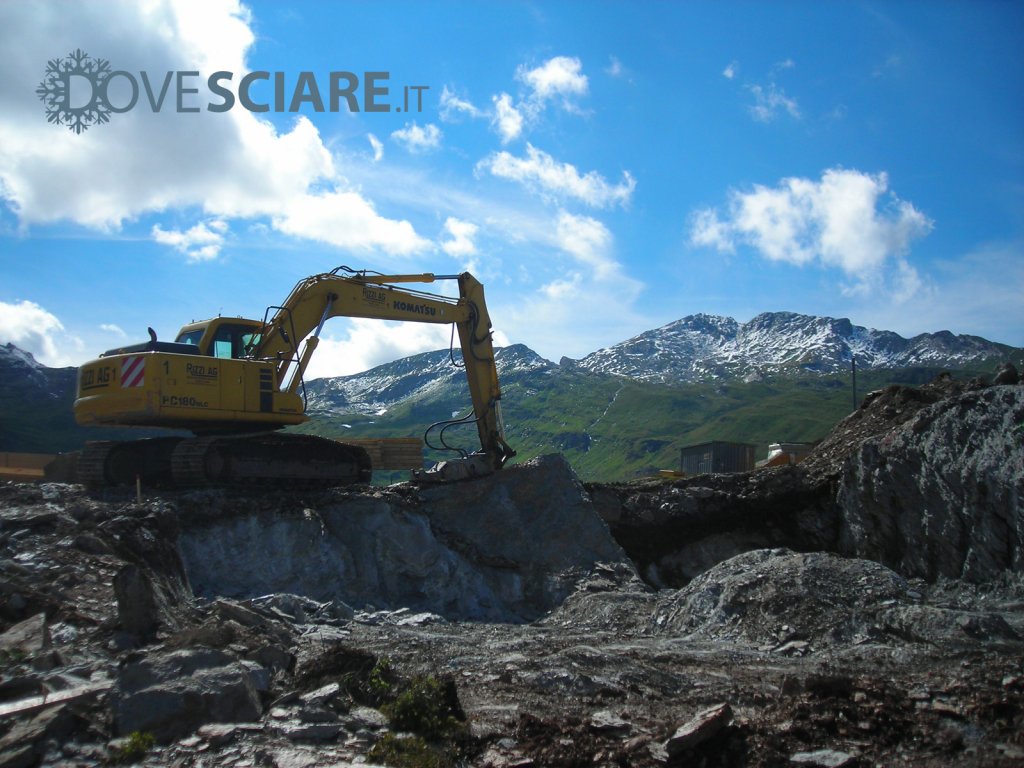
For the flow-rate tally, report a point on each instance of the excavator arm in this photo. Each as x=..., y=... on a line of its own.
x=317, y=298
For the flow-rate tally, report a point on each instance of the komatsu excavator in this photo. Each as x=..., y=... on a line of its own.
x=234, y=383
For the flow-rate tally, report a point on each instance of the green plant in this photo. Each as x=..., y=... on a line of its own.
x=12, y=658
x=379, y=681
x=371, y=685
x=133, y=748
x=409, y=752
x=428, y=708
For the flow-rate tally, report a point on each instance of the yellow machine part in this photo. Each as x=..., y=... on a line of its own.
x=184, y=392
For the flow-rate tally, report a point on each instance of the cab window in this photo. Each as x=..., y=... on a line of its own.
x=222, y=348
x=192, y=337
x=233, y=341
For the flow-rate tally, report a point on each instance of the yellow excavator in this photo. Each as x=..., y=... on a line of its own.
x=234, y=383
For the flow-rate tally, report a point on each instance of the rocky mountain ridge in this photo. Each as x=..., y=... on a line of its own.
x=19, y=370
x=411, y=378
x=702, y=347
x=697, y=348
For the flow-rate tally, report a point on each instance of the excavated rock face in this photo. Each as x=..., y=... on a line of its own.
x=504, y=548
x=943, y=494
x=674, y=532
x=929, y=481
x=880, y=412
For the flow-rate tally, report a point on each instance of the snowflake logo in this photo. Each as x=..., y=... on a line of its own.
x=55, y=91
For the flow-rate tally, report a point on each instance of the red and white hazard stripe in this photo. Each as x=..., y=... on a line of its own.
x=133, y=371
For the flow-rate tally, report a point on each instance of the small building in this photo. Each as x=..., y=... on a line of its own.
x=717, y=456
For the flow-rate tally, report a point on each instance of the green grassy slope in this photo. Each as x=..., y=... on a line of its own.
x=611, y=428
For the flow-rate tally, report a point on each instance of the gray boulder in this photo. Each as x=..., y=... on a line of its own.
x=171, y=694
x=137, y=610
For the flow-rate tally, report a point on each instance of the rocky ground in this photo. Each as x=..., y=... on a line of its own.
x=863, y=609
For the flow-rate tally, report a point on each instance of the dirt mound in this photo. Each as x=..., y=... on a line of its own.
x=771, y=597
x=880, y=412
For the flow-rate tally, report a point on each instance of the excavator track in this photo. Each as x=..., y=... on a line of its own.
x=263, y=459
x=90, y=469
x=269, y=459
x=105, y=463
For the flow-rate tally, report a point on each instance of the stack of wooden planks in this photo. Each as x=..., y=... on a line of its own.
x=392, y=452
x=24, y=467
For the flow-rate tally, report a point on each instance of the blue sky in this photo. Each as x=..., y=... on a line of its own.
x=603, y=167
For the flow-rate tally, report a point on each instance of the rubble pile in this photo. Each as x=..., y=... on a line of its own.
x=760, y=620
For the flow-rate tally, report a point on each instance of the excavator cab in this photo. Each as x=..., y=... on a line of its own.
x=226, y=338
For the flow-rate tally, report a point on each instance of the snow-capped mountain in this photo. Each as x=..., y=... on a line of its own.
x=17, y=362
x=705, y=347
x=410, y=378
x=21, y=373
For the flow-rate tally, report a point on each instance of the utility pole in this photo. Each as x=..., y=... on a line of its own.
x=853, y=370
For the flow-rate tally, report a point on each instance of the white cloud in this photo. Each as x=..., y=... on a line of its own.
x=462, y=233
x=614, y=68
x=507, y=120
x=548, y=318
x=348, y=220
x=541, y=172
x=708, y=231
x=731, y=70
x=562, y=289
x=907, y=284
x=369, y=343
x=378, y=147
x=200, y=243
x=560, y=76
x=593, y=279
x=558, y=79
x=452, y=107
x=589, y=241
x=417, y=139
x=892, y=63
x=33, y=329
x=229, y=165
x=769, y=101
x=846, y=220
x=114, y=329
